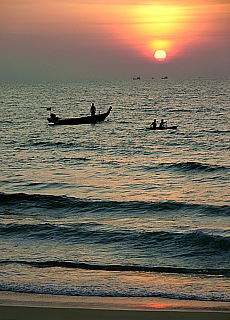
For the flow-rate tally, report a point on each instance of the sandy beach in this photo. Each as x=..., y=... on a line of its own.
x=37, y=313
x=16, y=306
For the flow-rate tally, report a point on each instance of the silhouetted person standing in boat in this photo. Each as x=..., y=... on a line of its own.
x=93, y=110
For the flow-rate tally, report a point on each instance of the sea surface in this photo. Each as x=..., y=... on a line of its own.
x=114, y=209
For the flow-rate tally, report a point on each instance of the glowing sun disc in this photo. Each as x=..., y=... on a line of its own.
x=160, y=55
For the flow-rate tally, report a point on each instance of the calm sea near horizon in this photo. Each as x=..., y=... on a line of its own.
x=114, y=209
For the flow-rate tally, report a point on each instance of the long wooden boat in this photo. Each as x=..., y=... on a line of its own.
x=53, y=119
x=163, y=128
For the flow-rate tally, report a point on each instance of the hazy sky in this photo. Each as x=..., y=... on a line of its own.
x=113, y=39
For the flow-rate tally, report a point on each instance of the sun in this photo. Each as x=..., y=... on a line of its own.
x=160, y=55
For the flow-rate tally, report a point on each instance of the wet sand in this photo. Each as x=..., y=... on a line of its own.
x=16, y=306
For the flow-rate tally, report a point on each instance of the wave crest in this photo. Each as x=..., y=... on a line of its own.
x=124, y=268
x=197, y=166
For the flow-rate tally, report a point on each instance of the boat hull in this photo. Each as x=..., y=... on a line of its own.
x=82, y=120
x=164, y=128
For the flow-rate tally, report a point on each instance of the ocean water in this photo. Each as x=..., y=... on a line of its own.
x=113, y=209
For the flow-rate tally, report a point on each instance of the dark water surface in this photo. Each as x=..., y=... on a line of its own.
x=113, y=209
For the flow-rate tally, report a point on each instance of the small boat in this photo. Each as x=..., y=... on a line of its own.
x=53, y=119
x=162, y=128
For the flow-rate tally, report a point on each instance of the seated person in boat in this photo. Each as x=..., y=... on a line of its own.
x=162, y=124
x=154, y=124
x=93, y=110
x=53, y=117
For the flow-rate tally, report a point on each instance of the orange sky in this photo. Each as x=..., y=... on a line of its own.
x=74, y=39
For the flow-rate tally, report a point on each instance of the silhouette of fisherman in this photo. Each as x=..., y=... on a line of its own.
x=93, y=110
x=154, y=124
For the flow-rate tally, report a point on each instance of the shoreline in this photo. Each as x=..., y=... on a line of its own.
x=26, y=306
x=8, y=298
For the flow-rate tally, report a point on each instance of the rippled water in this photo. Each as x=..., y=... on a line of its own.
x=113, y=209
